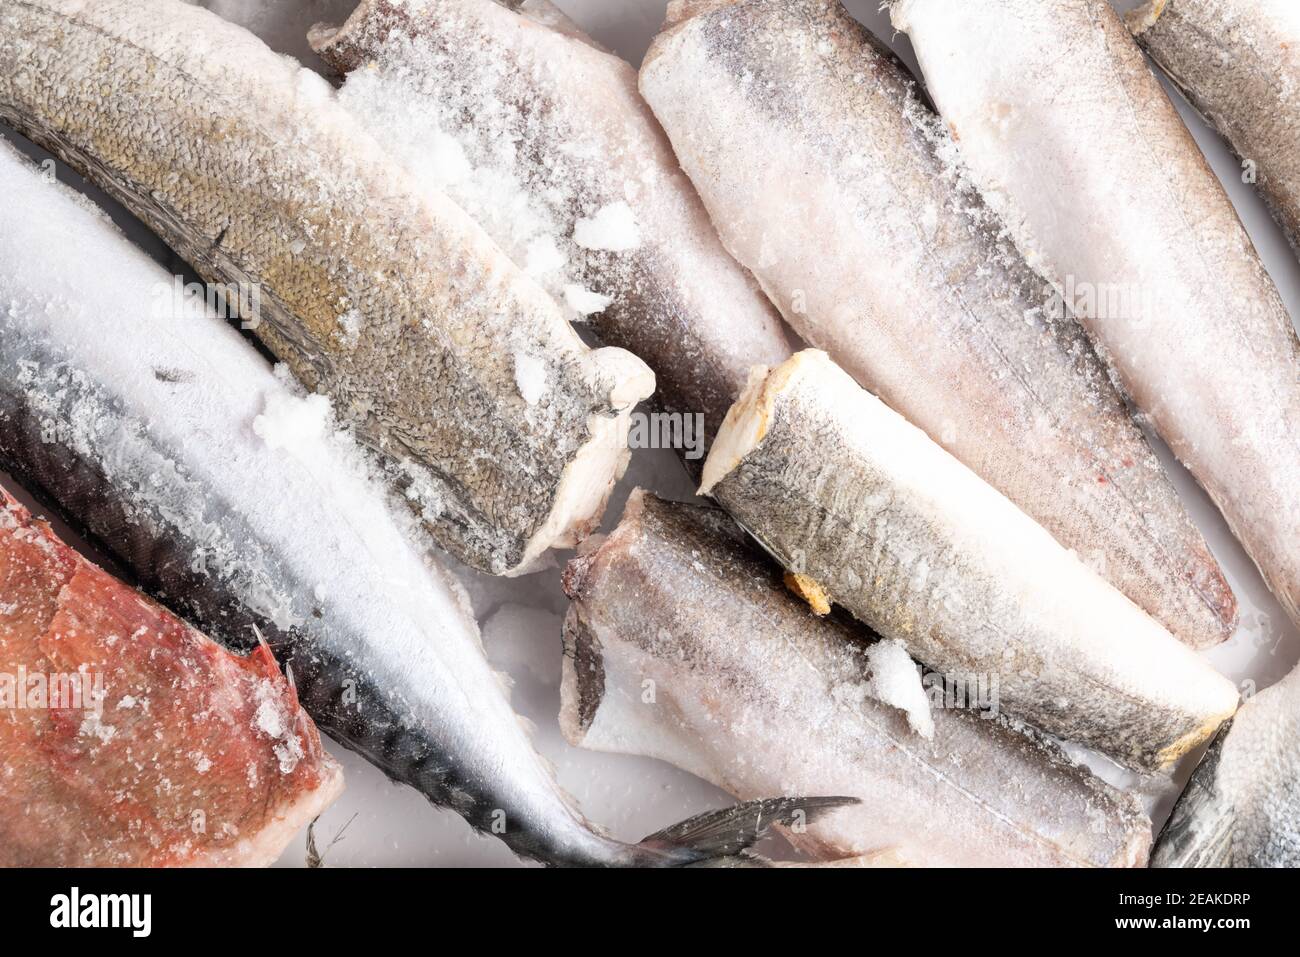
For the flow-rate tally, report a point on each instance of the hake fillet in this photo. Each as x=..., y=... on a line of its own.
x=681, y=644
x=859, y=221
x=501, y=425
x=1072, y=140
x=866, y=512
x=1238, y=63
x=544, y=140
x=127, y=738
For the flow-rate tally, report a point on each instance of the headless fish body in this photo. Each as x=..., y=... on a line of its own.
x=173, y=443
x=860, y=223
x=752, y=693
x=499, y=423
x=1106, y=192
x=234, y=769
x=544, y=140
x=866, y=512
x=1238, y=63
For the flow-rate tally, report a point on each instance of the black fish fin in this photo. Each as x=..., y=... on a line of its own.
x=730, y=832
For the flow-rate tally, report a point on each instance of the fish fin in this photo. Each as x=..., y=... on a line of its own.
x=729, y=833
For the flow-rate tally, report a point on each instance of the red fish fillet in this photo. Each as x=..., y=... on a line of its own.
x=192, y=755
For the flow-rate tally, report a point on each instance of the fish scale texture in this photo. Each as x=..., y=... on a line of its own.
x=384, y=296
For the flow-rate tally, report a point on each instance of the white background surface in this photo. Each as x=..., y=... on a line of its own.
x=378, y=823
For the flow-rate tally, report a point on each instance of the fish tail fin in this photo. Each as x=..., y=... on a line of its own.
x=724, y=838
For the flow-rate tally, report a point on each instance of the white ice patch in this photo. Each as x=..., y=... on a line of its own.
x=543, y=257
x=585, y=302
x=896, y=681
x=530, y=377
x=613, y=228
x=295, y=424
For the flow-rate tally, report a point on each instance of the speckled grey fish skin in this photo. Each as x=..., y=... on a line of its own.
x=879, y=519
x=579, y=135
x=1238, y=63
x=1073, y=141
x=142, y=426
x=1242, y=806
x=682, y=644
x=388, y=299
x=860, y=223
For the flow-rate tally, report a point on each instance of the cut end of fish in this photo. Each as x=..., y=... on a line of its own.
x=1143, y=18
x=746, y=423
x=334, y=44
x=588, y=480
x=811, y=592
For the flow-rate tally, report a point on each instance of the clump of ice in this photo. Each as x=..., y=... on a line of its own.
x=294, y=423
x=896, y=680
x=613, y=228
x=530, y=377
x=585, y=302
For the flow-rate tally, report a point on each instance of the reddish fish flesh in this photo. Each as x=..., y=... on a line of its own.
x=132, y=739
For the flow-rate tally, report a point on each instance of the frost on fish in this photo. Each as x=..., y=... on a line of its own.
x=1238, y=63
x=374, y=288
x=844, y=491
x=544, y=140
x=682, y=644
x=1105, y=191
x=836, y=185
x=1242, y=806
x=228, y=493
x=127, y=738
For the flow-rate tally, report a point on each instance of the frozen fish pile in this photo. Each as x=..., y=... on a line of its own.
x=443, y=277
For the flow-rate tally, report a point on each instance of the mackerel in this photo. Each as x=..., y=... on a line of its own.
x=503, y=428
x=228, y=493
x=682, y=644
x=1075, y=144
x=865, y=511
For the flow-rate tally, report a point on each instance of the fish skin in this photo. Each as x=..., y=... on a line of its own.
x=258, y=175
x=843, y=490
x=749, y=694
x=581, y=134
x=147, y=436
x=1238, y=64
x=1106, y=188
x=863, y=228
x=1242, y=806
x=75, y=794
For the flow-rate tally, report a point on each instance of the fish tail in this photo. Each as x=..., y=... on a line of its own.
x=725, y=838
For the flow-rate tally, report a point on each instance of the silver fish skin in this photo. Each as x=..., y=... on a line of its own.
x=499, y=423
x=756, y=695
x=859, y=221
x=866, y=512
x=167, y=438
x=1074, y=143
x=1242, y=806
x=537, y=133
x=1238, y=63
